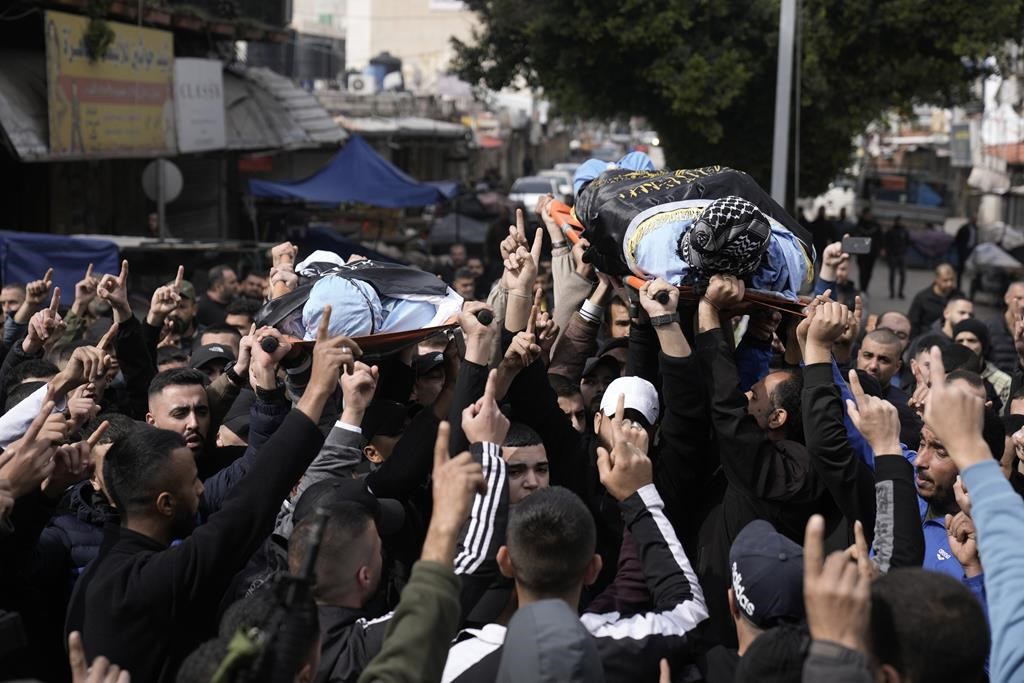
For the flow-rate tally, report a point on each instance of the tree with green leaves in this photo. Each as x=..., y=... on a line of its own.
x=703, y=72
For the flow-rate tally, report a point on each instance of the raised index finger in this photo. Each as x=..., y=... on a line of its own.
x=107, y=338
x=322, y=333
x=520, y=226
x=88, y=272
x=32, y=433
x=538, y=245
x=441, y=445
x=937, y=370
x=856, y=389
x=123, y=277
x=179, y=278
x=55, y=301
x=814, y=546
x=48, y=277
x=95, y=437
x=490, y=389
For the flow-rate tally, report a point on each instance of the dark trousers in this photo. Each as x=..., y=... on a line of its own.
x=897, y=264
x=865, y=265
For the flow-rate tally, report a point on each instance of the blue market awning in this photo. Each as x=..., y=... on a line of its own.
x=355, y=174
x=25, y=256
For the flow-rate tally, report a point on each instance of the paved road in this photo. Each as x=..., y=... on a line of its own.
x=878, y=296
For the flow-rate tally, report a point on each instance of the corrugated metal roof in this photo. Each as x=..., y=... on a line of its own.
x=263, y=110
x=409, y=126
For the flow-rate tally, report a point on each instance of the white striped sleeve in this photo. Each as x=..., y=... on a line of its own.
x=481, y=534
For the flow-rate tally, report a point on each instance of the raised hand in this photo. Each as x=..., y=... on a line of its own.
x=829, y=323
x=853, y=324
x=263, y=365
x=282, y=280
x=956, y=417
x=876, y=419
x=82, y=406
x=87, y=364
x=583, y=269
x=837, y=592
x=724, y=292
x=284, y=254
x=650, y=293
x=114, y=290
x=45, y=327
x=85, y=292
x=359, y=387
x=101, y=671
x=29, y=460
x=483, y=420
x=37, y=291
x=831, y=258
x=626, y=469
x=456, y=481
x=521, y=265
x=546, y=331
x=72, y=463
x=963, y=541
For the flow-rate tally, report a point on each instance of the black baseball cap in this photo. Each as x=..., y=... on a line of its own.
x=209, y=353
x=427, y=362
x=384, y=418
x=767, y=576
x=613, y=352
x=387, y=513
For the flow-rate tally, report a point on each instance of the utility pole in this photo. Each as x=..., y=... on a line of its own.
x=783, y=97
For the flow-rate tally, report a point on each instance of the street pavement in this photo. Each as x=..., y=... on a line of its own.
x=878, y=297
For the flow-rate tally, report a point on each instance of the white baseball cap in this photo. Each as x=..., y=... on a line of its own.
x=640, y=394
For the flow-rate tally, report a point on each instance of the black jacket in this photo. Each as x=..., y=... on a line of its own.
x=758, y=478
x=1002, y=352
x=145, y=606
x=630, y=647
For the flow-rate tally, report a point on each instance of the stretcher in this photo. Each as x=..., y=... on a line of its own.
x=574, y=232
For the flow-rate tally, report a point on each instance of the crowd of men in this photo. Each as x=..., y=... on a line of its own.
x=577, y=482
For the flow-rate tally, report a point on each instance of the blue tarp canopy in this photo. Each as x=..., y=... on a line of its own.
x=355, y=174
x=25, y=256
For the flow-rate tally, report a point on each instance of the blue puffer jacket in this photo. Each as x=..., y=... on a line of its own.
x=72, y=539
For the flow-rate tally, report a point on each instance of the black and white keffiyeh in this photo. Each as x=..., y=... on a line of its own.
x=730, y=236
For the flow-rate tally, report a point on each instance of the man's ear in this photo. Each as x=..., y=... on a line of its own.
x=598, y=418
x=364, y=576
x=505, y=563
x=306, y=674
x=592, y=570
x=886, y=673
x=372, y=454
x=150, y=419
x=734, y=610
x=777, y=418
x=165, y=504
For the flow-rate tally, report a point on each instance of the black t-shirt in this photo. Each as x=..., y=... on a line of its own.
x=211, y=312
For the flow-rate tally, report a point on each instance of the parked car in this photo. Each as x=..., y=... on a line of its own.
x=564, y=179
x=527, y=190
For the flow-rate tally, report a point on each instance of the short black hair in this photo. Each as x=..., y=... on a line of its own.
x=551, y=539
x=926, y=341
x=520, y=434
x=883, y=336
x=36, y=367
x=135, y=468
x=465, y=273
x=120, y=425
x=244, y=306
x=928, y=627
x=170, y=354
x=176, y=377
x=959, y=357
x=219, y=328
x=563, y=386
x=61, y=353
x=287, y=628
x=337, y=563
x=14, y=285
x=215, y=275
x=788, y=397
x=958, y=297
x=972, y=378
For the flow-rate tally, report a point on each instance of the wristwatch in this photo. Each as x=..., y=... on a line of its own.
x=234, y=377
x=668, y=319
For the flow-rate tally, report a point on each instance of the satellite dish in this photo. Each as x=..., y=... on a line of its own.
x=171, y=182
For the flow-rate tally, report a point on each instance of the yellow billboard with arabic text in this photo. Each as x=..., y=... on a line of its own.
x=120, y=104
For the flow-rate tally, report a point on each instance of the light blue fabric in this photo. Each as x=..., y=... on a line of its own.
x=356, y=309
x=591, y=168
x=401, y=315
x=998, y=513
x=783, y=271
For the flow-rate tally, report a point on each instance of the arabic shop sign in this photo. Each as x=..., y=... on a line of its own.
x=119, y=104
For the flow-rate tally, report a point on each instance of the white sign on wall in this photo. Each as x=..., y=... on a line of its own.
x=199, y=104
